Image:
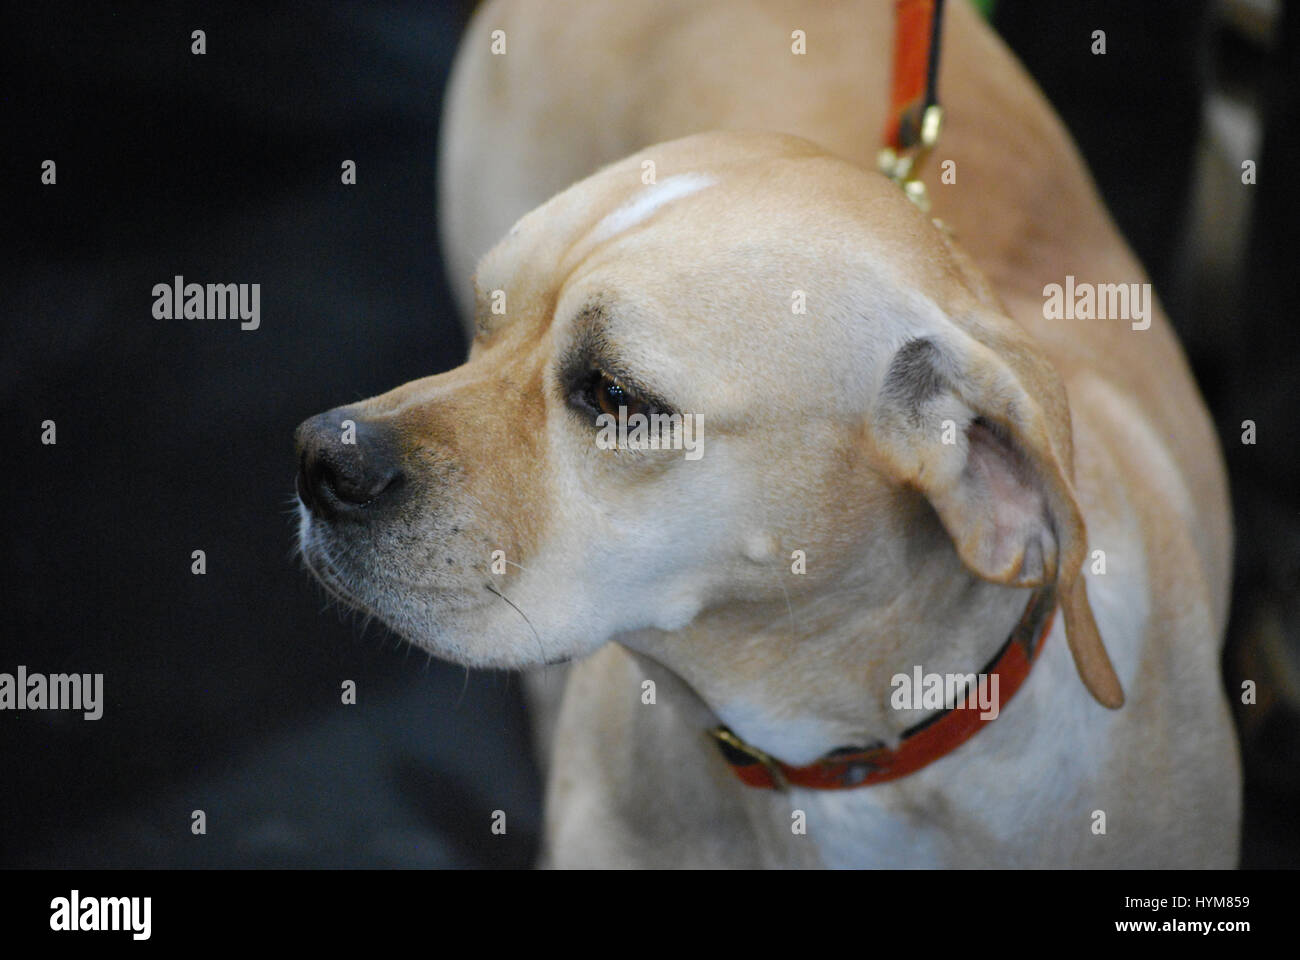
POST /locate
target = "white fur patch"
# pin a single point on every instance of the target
(647, 201)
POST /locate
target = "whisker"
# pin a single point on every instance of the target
(793, 625)
(464, 687)
(540, 648)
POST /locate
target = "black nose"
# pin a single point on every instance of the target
(346, 466)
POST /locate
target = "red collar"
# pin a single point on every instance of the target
(921, 744)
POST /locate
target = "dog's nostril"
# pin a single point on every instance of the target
(340, 477)
(356, 488)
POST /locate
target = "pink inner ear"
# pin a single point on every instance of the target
(1015, 530)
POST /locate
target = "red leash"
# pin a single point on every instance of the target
(915, 117)
(916, 70)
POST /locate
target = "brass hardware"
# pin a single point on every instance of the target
(904, 168)
(770, 763)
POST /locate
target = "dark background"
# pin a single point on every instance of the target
(223, 691)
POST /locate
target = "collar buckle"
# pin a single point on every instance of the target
(736, 749)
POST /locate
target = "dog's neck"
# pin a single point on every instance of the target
(801, 679)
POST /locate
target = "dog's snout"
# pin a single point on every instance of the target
(346, 465)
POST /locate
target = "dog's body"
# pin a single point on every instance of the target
(823, 432)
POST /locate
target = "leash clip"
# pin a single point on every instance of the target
(903, 166)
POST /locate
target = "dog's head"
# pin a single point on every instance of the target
(835, 370)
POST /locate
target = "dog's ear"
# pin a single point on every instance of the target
(955, 421)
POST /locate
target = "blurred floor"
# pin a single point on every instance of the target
(398, 780)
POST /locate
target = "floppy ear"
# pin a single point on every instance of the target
(955, 422)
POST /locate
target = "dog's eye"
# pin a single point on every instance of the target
(604, 394)
(610, 395)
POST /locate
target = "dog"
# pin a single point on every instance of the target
(918, 471)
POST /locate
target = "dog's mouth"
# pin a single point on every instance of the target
(420, 613)
(321, 563)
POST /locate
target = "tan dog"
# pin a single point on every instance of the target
(921, 436)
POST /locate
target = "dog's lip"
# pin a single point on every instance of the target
(320, 562)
